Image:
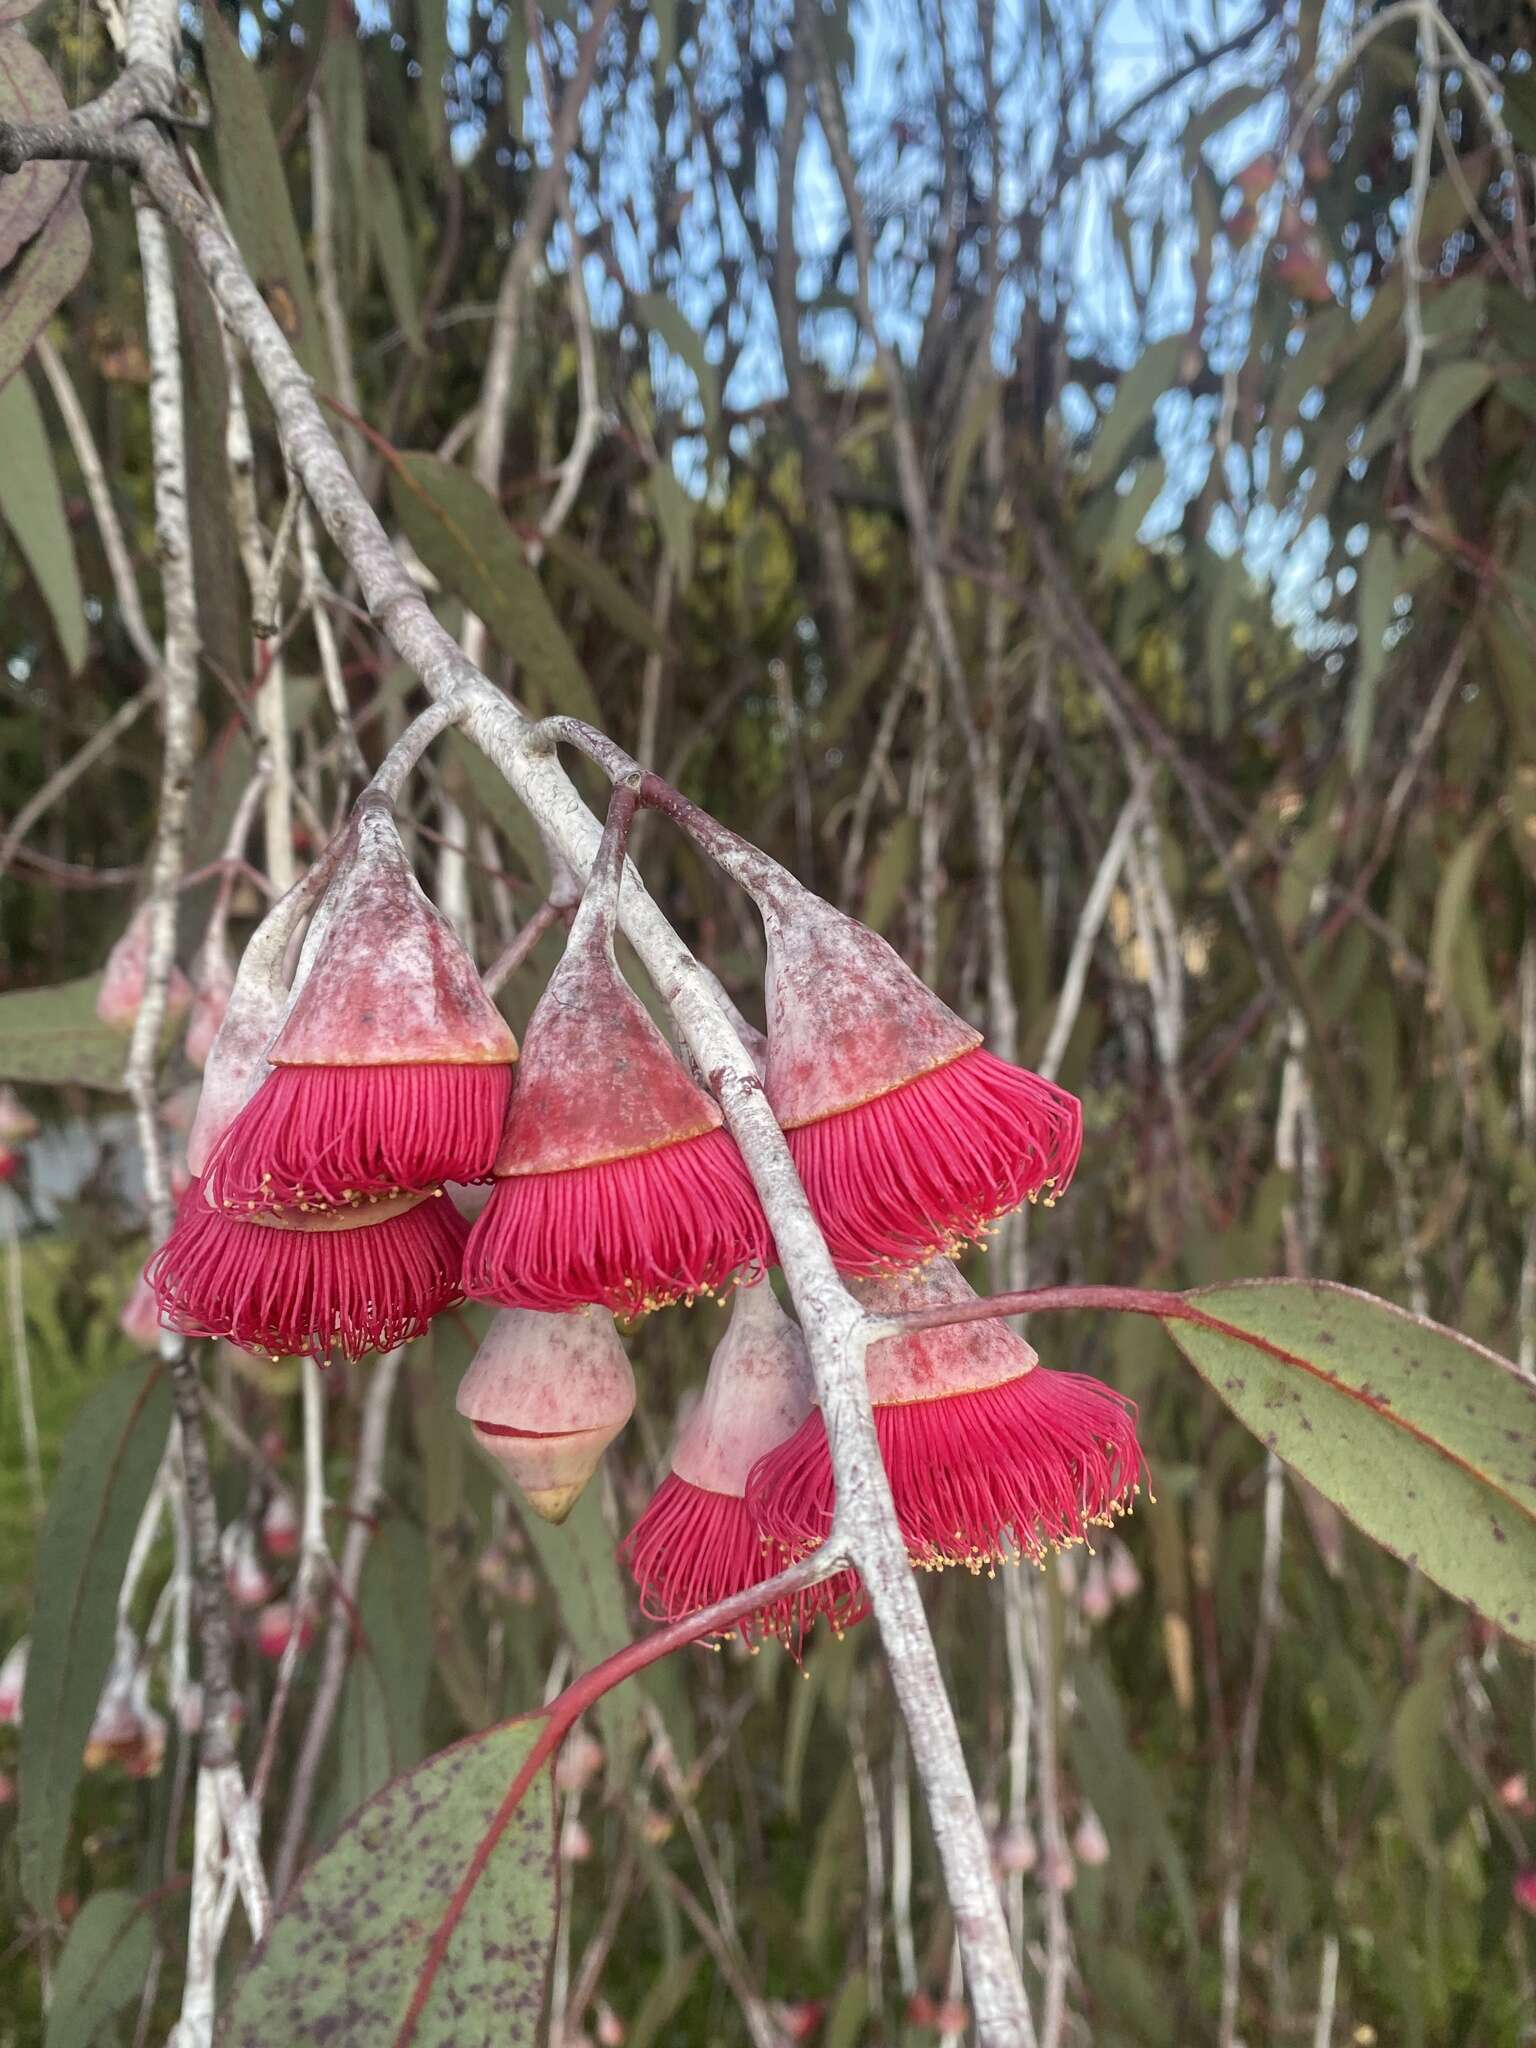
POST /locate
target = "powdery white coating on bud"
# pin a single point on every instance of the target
(847, 1018)
(122, 981)
(389, 984)
(598, 1081)
(958, 1359)
(758, 1392)
(1090, 1844)
(546, 1395)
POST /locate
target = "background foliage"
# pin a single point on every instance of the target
(1216, 540)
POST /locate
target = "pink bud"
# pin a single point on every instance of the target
(13, 1678)
(1058, 1873)
(1095, 1600)
(280, 1526)
(17, 1123)
(10, 1163)
(1525, 1890)
(248, 1582)
(611, 2030)
(799, 2019)
(1016, 1850)
(1124, 1578)
(579, 1762)
(575, 1842)
(953, 2016)
(523, 1586)
(122, 982)
(1515, 1793)
(1090, 1844)
(140, 1319)
(275, 1626)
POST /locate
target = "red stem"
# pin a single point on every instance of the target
(563, 1714)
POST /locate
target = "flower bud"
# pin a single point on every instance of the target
(545, 1396)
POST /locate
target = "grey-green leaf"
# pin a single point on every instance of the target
(255, 193)
(670, 325)
(578, 1559)
(1380, 581)
(457, 528)
(1424, 1439)
(674, 515)
(108, 1463)
(363, 1944)
(1438, 404)
(1153, 373)
(52, 1035)
(28, 92)
(392, 242)
(41, 278)
(101, 1968)
(32, 506)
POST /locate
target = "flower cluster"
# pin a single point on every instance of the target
(356, 1075)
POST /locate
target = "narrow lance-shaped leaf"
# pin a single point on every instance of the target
(32, 506)
(101, 1968)
(28, 92)
(41, 278)
(108, 1464)
(457, 528)
(255, 193)
(1424, 1439)
(430, 1919)
(671, 325)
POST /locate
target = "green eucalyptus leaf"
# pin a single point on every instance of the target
(101, 1969)
(106, 1468)
(457, 528)
(41, 278)
(32, 506)
(1420, 1436)
(366, 1950)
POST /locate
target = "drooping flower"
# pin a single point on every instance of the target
(909, 1136)
(354, 1280)
(545, 1396)
(392, 1067)
(122, 981)
(696, 1542)
(615, 1182)
(990, 1456)
(349, 1280)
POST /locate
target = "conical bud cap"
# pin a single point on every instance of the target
(848, 1020)
(122, 981)
(597, 1081)
(390, 984)
(960, 1358)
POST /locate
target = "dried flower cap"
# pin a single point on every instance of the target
(615, 1183)
(391, 1067)
(354, 1281)
(990, 1457)
(122, 981)
(696, 1543)
(545, 1396)
(909, 1136)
